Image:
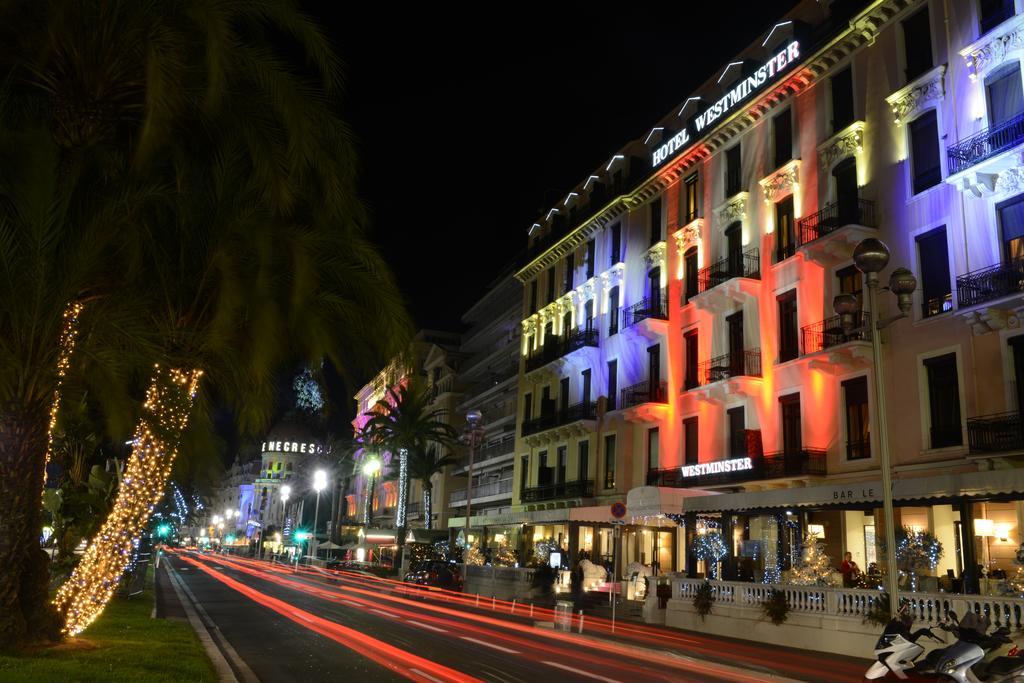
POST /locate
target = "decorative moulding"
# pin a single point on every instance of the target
(907, 102)
(782, 182)
(846, 142)
(994, 48)
(655, 256)
(734, 209)
(688, 234)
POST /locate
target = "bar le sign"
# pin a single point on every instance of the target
(743, 89)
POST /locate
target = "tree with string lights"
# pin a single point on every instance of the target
(152, 219)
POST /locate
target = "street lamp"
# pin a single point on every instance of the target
(370, 468)
(471, 436)
(319, 484)
(871, 256)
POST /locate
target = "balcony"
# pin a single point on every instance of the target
(643, 392)
(985, 145)
(740, 264)
(559, 347)
(829, 347)
(995, 433)
(645, 309)
(808, 462)
(726, 283)
(740, 364)
(565, 489)
(829, 235)
(584, 410)
(490, 489)
(990, 284)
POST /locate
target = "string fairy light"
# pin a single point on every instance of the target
(68, 335)
(165, 415)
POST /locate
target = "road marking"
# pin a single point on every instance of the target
(387, 614)
(426, 626)
(426, 675)
(492, 645)
(581, 673)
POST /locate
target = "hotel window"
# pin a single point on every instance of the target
(616, 245)
(524, 472)
(690, 441)
(789, 330)
(991, 13)
(936, 290)
(551, 284)
(1003, 93)
(844, 180)
(527, 407)
(842, 99)
(533, 296)
(917, 44)
(655, 221)
(737, 432)
(350, 506)
(924, 151)
(1011, 224)
(613, 383)
(613, 311)
(851, 282)
(586, 382)
(792, 438)
(733, 171)
(690, 199)
(570, 267)
(858, 433)
(588, 314)
(609, 461)
(690, 381)
(583, 460)
(944, 401)
(561, 457)
(653, 449)
(690, 272)
(785, 230)
(566, 323)
(543, 471)
(782, 134)
(591, 251)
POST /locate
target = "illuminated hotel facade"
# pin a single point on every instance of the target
(680, 349)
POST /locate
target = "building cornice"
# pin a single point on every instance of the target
(862, 30)
(993, 48)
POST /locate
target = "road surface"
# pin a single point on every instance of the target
(313, 625)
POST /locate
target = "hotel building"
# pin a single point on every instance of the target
(681, 352)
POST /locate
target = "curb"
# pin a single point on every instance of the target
(218, 652)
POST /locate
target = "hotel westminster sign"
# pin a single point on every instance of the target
(744, 89)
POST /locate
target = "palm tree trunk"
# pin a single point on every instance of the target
(428, 516)
(69, 332)
(25, 614)
(166, 411)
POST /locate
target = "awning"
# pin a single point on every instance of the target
(328, 546)
(905, 489)
(652, 501)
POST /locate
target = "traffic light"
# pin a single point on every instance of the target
(163, 530)
(301, 535)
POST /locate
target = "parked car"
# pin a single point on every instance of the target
(435, 573)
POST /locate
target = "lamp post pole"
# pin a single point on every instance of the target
(319, 484)
(871, 256)
(474, 428)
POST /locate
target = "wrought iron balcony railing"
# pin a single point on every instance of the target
(989, 284)
(584, 410)
(491, 488)
(738, 264)
(829, 332)
(985, 144)
(740, 364)
(646, 308)
(807, 461)
(995, 433)
(565, 489)
(834, 216)
(556, 347)
(644, 392)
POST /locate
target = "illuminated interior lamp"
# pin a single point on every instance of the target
(984, 527)
(816, 530)
(1002, 532)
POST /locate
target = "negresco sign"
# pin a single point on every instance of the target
(767, 72)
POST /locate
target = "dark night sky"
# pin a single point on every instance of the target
(470, 126)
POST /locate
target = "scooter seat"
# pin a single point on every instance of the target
(1000, 666)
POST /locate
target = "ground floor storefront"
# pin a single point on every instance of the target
(958, 532)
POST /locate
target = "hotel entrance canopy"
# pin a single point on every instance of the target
(906, 490)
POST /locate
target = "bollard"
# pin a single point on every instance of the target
(531, 610)
(477, 599)
(581, 621)
(513, 606)
(493, 602)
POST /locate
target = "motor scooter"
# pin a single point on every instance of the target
(980, 657)
(897, 650)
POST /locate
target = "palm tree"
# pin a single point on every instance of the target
(133, 93)
(423, 465)
(404, 424)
